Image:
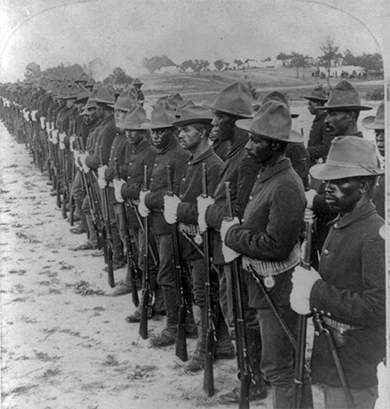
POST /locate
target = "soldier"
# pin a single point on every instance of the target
(319, 140)
(343, 108)
(169, 152)
(348, 294)
(267, 237)
(194, 125)
(377, 123)
(232, 103)
(137, 84)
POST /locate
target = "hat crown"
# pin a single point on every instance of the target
(273, 119)
(277, 96)
(343, 95)
(186, 103)
(318, 93)
(235, 99)
(175, 100)
(73, 91)
(137, 82)
(134, 118)
(126, 100)
(162, 115)
(105, 95)
(195, 113)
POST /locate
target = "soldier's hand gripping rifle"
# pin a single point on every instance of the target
(300, 352)
(146, 289)
(244, 369)
(132, 265)
(208, 376)
(181, 342)
(107, 228)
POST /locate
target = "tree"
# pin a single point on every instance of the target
(238, 63)
(219, 64)
(118, 79)
(298, 61)
(186, 64)
(330, 53)
(157, 62)
(33, 71)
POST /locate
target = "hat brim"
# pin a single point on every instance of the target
(102, 101)
(315, 98)
(294, 136)
(225, 111)
(327, 171)
(192, 121)
(345, 108)
(370, 123)
(119, 108)
(149, 125)
(132, 127)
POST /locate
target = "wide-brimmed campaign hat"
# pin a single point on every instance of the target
(281, 97)
(62, 92)
(91, 102)
(349, 156)
(162, 116)
(73, 92)
(135, 119)
(273, 121)
(193, 115)
(82, 78)
(105, 95)
(377, 121)
(235, 99)
(137, 82)
(318, 93)
(83, 95)
(91, 82)
(175, 100)
(126, 100)
(344, 97)
(186, 103)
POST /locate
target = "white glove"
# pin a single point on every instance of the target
(48, 129)
(303, 281)
(54, 137)
(102, 182)
(203, 204)
(34, 115)
(309, 215)
(310, 194)
(42, 120)
(170, 208)
(101, 171)
(76, 155)
(71, 142)
(62, 146)
(118, 183)
(82, 158)
(143, 210)
(225, 226)
(228, 254)
(62, 136)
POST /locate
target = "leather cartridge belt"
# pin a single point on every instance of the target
(266, 268)
(190, 229)
(339, 326)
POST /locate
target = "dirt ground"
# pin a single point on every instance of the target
(64, 341)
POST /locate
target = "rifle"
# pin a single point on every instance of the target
(109, 244)
(71, 198)
(181, 344)
(63, 173)
(132, 266)
(208, 376)
(146, 290)
(245, 372)
(300, 353)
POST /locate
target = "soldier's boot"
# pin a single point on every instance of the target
(82, 227)
(169, 333)
(197, 361)
(124, 288)
(136, 316)
(159, 302)
(92, 242)
(224, 348)
(282, 397)
(258, 388)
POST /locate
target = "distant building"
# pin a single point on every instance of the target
(343, 70)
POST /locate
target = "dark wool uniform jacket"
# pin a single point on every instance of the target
(174, 156)
(191, 188)
(271, 226)
(137, 156)
(241, 172)
(105, 136)
(352, 291)
(319, 140)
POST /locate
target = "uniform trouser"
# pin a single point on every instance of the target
(198, 276)
(77, 187)
(166, 269)
(362, 398)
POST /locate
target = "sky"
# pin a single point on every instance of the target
(123, 32)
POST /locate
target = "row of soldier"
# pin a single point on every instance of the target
(183, 196)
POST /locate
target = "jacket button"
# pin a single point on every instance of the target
(328, 314)
(250, 197)
(326, 251)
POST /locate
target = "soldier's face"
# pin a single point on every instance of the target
(223, 126)
(337, 122)
(342, 195)
(161, 137)
(259, 148)
(100, 112)
(190, 137)
(313, 107)
(119, 116)
(380, 140)
(134, 137)
(70, 103)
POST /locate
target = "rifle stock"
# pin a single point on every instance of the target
(146, 290)
(245, 372)
(208, 376)
(181, 343)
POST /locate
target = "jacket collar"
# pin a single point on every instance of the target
(268, 173)
(135, 149)
(206, 154)
(358, 214)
